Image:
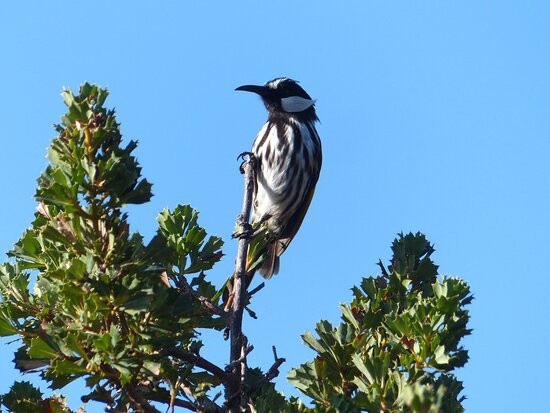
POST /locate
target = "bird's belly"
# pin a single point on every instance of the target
(283, 177)
(274, 202)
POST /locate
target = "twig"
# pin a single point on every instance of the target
(245, 351)
(178, 402)
(255, 290)
(271, 373)
(139, 403)
(182, 283)
(243, 395)
(251, 313)
(199, 362)
(274, 369)
(209, 405)
(185, 404)
(239, 288)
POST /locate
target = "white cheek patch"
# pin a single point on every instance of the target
(296, 104)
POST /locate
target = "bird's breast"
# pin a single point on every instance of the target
(288, 155)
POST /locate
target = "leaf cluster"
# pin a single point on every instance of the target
(104, 305)
(23, 397)
(398, 342)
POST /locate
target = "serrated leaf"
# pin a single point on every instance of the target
(153, 366)
(312, 342)
(22, 397)
(6, 328)
(125, 373)
(103, 343)
(39, 349)
(368, 372)
(440, 355)
(115, 335)
(137, 304)
(348, 316)
(66, 367)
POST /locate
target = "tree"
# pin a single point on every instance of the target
(124, 314)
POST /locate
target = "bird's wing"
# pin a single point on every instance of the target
(295, 222)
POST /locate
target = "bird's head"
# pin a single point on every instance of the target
(284, 96)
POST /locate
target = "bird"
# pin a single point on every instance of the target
(288, 156)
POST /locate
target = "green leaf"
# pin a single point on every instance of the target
(320, 367)
(367, 371)
(115, 335)
(440, 355)
(312, 342)
(22, 397)
(125, 367)
(344, 334)
(138, 303)
(103, 343)
(140, 194)
(348, 316)
(152, 366)
(6, 328)
(39, 349)
(66, 367)
(125, 373)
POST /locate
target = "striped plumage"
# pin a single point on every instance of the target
(288, 151)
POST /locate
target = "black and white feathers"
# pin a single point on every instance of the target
(288, 151)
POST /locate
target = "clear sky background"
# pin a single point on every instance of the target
(435, 117)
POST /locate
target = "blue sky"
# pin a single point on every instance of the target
(435, 117)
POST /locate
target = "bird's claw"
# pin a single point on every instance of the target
(246, 231)
(243, 156)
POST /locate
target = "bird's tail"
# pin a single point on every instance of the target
(270, 266)
(263, 255)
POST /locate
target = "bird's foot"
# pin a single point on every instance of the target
(245, 231)
(251, 159)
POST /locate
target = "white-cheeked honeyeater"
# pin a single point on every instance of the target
(288, 161)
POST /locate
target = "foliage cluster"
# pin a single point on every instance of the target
(398, 342)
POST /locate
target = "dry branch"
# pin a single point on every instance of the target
(234, 390)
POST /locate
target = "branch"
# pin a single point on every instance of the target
(198, 361)
(251, 313)
(239, 290)
(207, 404)
(139, 402)
(245, 351)
(255, 290)
(274, 369)
(185, 404)
(271, 373)
(250, 294)
(210, 307)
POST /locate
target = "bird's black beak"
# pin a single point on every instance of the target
(260, 90)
